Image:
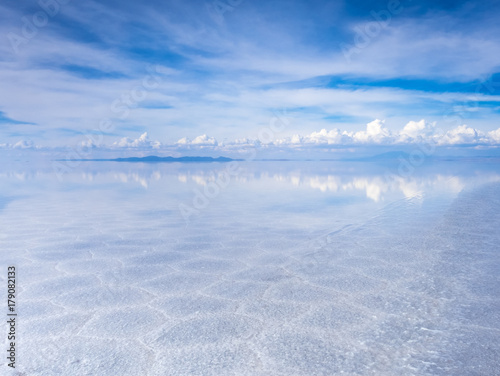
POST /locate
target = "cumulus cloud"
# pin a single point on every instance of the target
(202, 140)
(23, 144)
(417, 131)
(375, 133)
(494, 135)
(89, 144)
(413, 132)
(184, 141)
(463, 135)
(333, 136)
(141, 142)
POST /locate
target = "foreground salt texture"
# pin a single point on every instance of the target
(112, 285)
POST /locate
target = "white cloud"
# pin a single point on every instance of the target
(89, 143)
(202, 140)
(462, 135)
(413, 132)
(23, 144)
(296, 139)
(375, 132)
(322, 137)
(141, 142)
(494, 136)
(247, 70)
(184, 141)
(416, 131)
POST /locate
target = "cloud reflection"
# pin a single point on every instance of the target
(362, 180)
(374, 187)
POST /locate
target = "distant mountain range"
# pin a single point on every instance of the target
(383, 157)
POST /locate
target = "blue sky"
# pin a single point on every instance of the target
(212, 72)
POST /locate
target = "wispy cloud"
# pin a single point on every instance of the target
(224, 79)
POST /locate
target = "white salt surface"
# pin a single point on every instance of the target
(285, 272)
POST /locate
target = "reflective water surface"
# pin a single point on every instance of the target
(254, 268)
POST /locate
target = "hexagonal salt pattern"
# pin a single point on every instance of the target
(111, 281)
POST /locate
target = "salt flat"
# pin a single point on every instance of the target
(287, 271)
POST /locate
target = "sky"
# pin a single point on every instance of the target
(222, 74)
